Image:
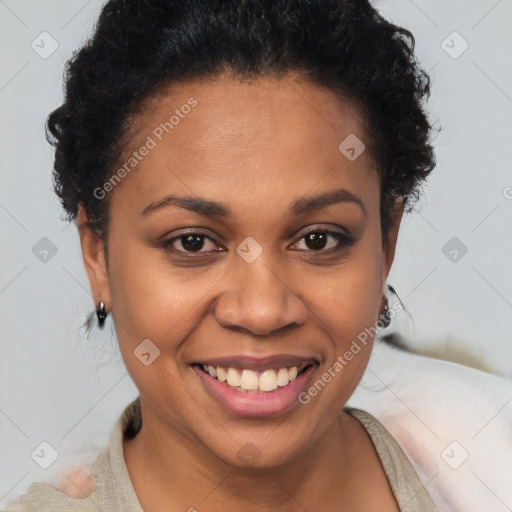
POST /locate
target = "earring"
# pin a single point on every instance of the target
(102, 314)
(383, 315)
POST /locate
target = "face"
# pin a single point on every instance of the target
(253, 274)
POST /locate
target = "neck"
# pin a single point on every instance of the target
(168, 467)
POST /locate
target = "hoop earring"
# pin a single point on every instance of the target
(101, 313)
(383, 315)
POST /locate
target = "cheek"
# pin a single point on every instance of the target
(156, 300)
(350, 296)
(348, 312)
(152, 299)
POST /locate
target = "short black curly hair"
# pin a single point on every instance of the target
(142, 47)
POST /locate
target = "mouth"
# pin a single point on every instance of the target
(256, 388)
(245, 380)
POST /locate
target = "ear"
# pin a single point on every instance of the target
(388, 254)
(94, 260)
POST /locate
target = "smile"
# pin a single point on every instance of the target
(253, 381)
(256, 388)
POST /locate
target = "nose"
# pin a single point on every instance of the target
(259, 299)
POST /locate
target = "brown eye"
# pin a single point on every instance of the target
(190, 243)
(316, 240)
(319, 241)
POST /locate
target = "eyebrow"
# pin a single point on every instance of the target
(214, 209)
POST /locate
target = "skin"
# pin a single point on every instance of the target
(256, 147)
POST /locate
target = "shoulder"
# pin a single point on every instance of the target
(106, 486)
(450, 421)
(407, 488)
(42, 497)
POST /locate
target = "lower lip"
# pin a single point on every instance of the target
(265, 403)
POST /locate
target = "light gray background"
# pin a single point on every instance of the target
(59, 387)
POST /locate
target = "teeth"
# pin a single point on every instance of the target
(268, 380)
(251, 381)
(233, 377)
(283, 377)
(222, 374)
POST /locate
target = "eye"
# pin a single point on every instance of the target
(190, 242)
(315, 241)
(318, 240)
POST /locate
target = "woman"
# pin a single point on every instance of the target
(238, 171)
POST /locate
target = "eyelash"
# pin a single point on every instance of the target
(344, 241)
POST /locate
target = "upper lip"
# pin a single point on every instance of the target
(260, 363)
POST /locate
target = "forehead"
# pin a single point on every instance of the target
(235, 140)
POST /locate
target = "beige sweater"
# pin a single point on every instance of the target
(113, 491)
